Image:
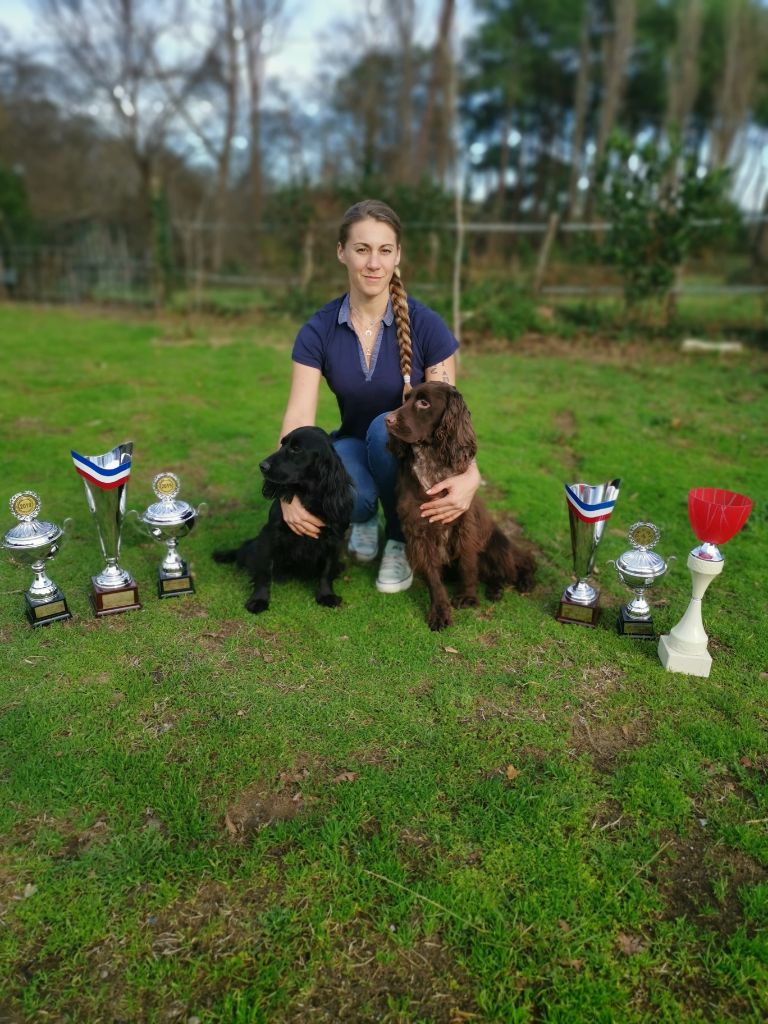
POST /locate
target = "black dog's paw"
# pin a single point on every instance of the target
(328, 600)
(256, 605)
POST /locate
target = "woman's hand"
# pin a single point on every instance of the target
(454, 496)
(296, 518)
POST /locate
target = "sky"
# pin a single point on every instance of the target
(310, 24)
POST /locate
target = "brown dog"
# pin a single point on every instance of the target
(432, 437)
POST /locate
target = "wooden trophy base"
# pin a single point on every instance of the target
(578, 614)
(638, 629)
(175, 586)
(40, 613)
(110, 601)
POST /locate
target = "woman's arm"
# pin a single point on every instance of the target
(455, 494)
(301, 411)
(445, 371)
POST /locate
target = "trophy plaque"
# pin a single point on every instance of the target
(166, 521)
(716, 516)
(30, 543)
(106, 480)
(589, 508)
(638, 569)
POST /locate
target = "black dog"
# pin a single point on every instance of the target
(306, 465)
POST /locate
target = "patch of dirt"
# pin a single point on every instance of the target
(370, 974)
(258, 807)
(699, 880)
(605, 741)
(565, 431)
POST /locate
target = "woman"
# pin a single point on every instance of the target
(371, 344)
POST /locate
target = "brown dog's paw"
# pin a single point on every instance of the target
(465, 601)
(439, 618)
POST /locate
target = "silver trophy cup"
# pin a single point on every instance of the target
(590, 506)
(638, 569)
(167, 521)
(30, 543)
(106, 479)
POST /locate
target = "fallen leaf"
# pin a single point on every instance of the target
(345, 777)
(512, 772)
(676, 423)
(629, 945)
(450, 650)
(563, 926)
(29, 890)
(240, 713)
(575, 965)
(746, 762)
(289, 777)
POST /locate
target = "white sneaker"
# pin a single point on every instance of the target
(394, 573)
(364, 540)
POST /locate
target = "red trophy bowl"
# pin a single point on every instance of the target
(716, 516)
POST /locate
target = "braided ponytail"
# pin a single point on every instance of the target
(377, 210)
(402, 327)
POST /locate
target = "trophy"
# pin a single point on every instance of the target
(166, 521)
(106, 479)
(30, 543)
(589, 508)
(637, 569)
(715, 516)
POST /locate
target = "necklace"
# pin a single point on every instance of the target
(367, 331)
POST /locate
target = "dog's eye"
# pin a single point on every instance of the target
(422, 403)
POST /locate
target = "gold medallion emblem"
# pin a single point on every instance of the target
(166, 485)
(25, 505)
(644, 535)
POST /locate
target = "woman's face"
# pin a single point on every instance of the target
(370, 255)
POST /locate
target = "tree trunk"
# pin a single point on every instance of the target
(403, 12)
(744, 28)
(619, 51)
(683, 79)
(580, 100)
(437, 84)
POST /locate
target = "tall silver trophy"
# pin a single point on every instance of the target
(106, 480)
(30, 543)
(590, 506)
(167, 521)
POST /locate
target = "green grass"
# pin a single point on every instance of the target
(308, 815)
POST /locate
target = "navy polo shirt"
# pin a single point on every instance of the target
(328, 342)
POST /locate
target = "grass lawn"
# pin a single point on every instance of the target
(321, 815)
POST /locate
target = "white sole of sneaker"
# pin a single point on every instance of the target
(394, 588)
(363, 559)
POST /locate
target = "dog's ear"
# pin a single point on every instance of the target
(398, 448)
(454, 435)
(336, 490)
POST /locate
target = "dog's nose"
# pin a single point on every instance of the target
(390, 420)
(264, 466)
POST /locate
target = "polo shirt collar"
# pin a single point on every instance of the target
(345, 312)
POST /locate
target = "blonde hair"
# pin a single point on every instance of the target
(376, 210)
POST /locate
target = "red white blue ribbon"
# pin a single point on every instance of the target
(104, 478)
(589, 513)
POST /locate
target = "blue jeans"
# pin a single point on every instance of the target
(373, 469)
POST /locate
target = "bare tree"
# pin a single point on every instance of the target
(403, 14)
(110, 52)
(580, 101)
(745, 39)
(259, 21)
(683, 77)
(435, 125)
(618, 43)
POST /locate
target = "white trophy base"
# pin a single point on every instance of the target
(675, 661)
(684, 648)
